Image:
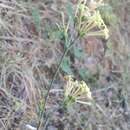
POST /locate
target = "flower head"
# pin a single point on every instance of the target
(77, 91)
(90, 22)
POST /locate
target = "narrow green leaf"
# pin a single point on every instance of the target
(83, 73)
(66, 65)
(36, 18)
(78, 53)
(70, 12)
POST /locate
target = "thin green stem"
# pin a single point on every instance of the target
(53, 79)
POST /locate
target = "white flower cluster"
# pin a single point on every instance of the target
(78, 91)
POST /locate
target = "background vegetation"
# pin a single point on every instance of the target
(64, 65)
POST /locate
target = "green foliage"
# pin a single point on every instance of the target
(83, 73)
(87, 76)
(66, 65)
(109, 44)
(52, 33)
(18, 105)
(36, 18)
(86, 23)
(68, 101)
(70, 12)
(115, 3)
(40, 108)
(108, 15)
(64, 29)
(78, 53)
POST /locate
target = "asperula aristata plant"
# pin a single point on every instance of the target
(76, 92)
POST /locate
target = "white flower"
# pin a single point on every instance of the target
(77, 91)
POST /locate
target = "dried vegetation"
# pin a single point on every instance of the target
(33, 36)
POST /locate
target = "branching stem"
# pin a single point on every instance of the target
(53, 79)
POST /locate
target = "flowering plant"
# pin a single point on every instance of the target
(76, 92)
